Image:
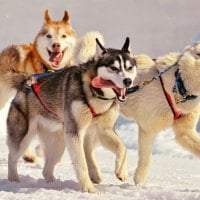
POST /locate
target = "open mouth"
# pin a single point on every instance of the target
(98, 82)
(55, 57)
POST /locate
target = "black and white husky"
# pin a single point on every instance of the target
(68, 104)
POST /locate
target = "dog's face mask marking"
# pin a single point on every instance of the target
(116, 70)
(55, 41)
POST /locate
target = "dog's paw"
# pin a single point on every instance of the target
(90, 189)
(13, 178)
(122, 176)
(29, 158)
(139, 180)
(95, 176)
(49, 178)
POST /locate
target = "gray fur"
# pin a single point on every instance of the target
(67, 93)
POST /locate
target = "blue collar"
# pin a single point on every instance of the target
(180, 88)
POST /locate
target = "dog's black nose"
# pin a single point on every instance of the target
(56, 45)
(127, 82)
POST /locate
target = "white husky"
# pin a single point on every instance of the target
(153, 112)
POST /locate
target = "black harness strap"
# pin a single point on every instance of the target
(94, 94)
(144, 83)
(179, 87)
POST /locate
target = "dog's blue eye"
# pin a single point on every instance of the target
(49, 36)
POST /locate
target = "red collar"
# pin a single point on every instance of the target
(176, 113)
(94, 114)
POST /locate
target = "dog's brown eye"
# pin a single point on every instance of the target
(64, 36)
(130, 68)
(114, 68)
(49, 36)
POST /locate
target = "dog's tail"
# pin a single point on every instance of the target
(86, 47)
(9, 59)
(16, 79)
(167, 60)
(9, 74)
(144, 61)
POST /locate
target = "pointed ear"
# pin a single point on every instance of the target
(100, 50)
(65, 17)
(46, 16)
(127, 47)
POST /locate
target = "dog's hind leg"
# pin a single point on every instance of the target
(53, 146)
(186, 134)
(145, 140)
(76, 150)
(19, 137)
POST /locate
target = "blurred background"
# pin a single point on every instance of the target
(154, 26)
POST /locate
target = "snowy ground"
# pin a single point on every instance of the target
(174, 173)
(155, 27)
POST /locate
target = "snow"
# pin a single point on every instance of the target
(174, 173)
(155, 27)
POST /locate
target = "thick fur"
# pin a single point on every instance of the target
(86, 47)
(31, 58)
(67, 92)
(150, 109)
(36, 58)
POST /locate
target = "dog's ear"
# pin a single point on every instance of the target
(100, 49)
(127, 47)
(65, 17)
(46, 16)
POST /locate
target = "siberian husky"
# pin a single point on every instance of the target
(68, 104)
(170, 99)
(52, 50)
(173, 100)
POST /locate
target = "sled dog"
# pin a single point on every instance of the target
(68, 104)
(51, 50)
(154, 112)
(150, 108)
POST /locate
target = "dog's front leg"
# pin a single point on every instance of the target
(145, 140)
(111, 141)
(75, 147)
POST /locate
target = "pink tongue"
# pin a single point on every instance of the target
(55, 56)
(98, 82)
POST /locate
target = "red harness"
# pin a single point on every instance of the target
(176, 113)
(36, 88)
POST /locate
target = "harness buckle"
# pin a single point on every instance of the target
(30, 81)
